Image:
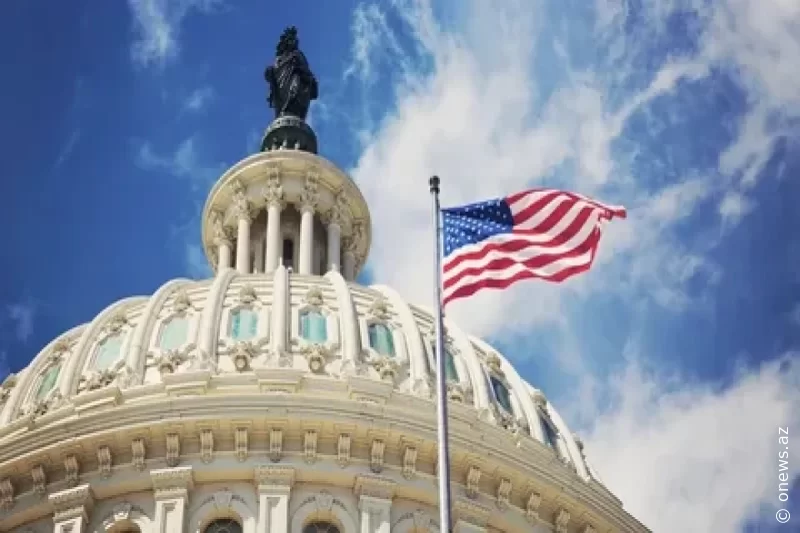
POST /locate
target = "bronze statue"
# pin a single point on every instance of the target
(292, 85)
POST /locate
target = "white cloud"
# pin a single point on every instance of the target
(21, 316)
(199, 99)
(691, 457)
(479, 115)
(157, 25)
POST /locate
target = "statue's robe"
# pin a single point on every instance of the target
(292, 85)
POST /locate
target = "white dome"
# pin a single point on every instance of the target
(143, 362)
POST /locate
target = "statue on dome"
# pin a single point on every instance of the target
(292, 85)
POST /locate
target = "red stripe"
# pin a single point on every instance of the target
(490, 283)
(502, 263)
(517, 245)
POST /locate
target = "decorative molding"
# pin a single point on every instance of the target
(71, 503)
(104, 461)
(6, 494)
(206, 445)
(503, 493)
(314, 297)
(376, 456)
(561, 520)
(5, 389)
(310, 446)
(240, 205)
(471, 512)
(173, 455)
(379, 309)
(309, 197)
(223, 499)
(588, 528)
(240, 443)
(539, 399)
(138, 451)
(275, 445)
(39, 478)
(375, 487)
(72, 468)
(274, 475)
(410, 462)
(532, 507)
(343, 450)
(172, 482)
(473, 481)
(247, 295)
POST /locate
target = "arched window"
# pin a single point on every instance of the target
(244, 324)
(313, 326)
(107, 352)
(223, 525)
(501, 394)
(48, 381)
(288, 253)
(450, 372)
(321, 526)
(381, 339)
(173, 333)
(550, 435)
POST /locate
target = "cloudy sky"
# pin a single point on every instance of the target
(676, 357)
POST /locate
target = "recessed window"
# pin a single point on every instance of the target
(450, 372)
(549, 434)
(321, 527)
(173, 333)
(244, 324)
(381, 339)
(48, 381)
(224, 525)
(107, 353)
(501, 394)
(313, 326)
(288, 253)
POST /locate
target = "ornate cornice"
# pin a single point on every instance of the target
(274, 475)
(172, 482)
(375, 487)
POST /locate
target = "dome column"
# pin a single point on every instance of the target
(349, 259)
(309, 200)
(223, 242)
(273, 196)
(335, 220)
(241, 208)
(171, 488)
(72, 507)
(274, 489)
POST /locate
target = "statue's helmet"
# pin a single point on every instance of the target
(288, 41)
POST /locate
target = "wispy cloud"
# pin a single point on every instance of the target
(21, 316)
(157, 26)
(492, 109)
(199, 99)
(67, 148)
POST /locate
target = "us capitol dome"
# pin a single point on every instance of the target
(280, 395)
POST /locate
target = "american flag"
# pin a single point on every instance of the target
(539, 233)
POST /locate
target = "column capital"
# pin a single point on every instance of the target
(172, 482)
(241, 207)
(273, 476)
(339, 213)
(309, 196)
(376, 487)
(71, 503)
(273, 191)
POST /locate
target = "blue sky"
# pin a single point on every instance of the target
(676, 356)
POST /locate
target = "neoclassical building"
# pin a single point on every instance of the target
(280, 396)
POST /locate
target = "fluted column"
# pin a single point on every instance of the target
(375, 503)
(171, 488)
(71, 509)
(243, 214)
(336, 218)
(222, 241)
(349, 259)
(273, 196)
(308, 204)
(274, 488)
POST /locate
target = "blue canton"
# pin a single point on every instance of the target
(474, 223)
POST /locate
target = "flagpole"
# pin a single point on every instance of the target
(441, 378)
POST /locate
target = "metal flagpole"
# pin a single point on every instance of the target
(441, 378)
